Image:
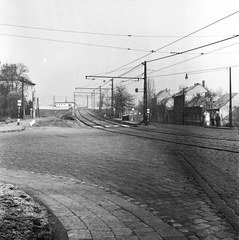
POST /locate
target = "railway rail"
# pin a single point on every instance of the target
(218, 183)
(202, 140)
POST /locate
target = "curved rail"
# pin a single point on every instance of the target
(193, 140)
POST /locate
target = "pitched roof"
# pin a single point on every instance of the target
(187, 89)
(219, 103)
(196, 101)
(165, 91)
(224, 99)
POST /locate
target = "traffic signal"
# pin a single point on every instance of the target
(136, 90)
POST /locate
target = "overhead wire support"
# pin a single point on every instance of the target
(193, 49)
(188, 35)
(192, 58)
(95, 76)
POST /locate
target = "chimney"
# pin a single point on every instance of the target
(203, 83)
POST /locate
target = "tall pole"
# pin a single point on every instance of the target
(145, 93)
(112, 98)
(183, 106)
(100, 99)
(74, 103)
(38, 110)
(23, 110)
(87, 102)
(94, 98)
(230, 98)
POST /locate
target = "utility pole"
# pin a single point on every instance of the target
(112, 98)
(94, 98)
(230, 98)
(38, 110)
(183, 113)
(74, 103)
(145, 94)
(100, 99)
(23, 110)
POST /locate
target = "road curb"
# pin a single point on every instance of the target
(88, 211)
(13, 130)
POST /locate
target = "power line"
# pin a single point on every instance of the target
(196, 71)
(96, 33)
(78, 43)
(200, 29)
(192, 49)
(202, 54)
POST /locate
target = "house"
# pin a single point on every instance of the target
(188, 105)
(222, 104)
(162, 95)
(161, 103)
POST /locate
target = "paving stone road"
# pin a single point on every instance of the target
(188, 188)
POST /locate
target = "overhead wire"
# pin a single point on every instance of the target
(186, 51)
(196, 71)
(200, 29)
(95, 33)
(72, 42)
(202, 54)
(192, 49)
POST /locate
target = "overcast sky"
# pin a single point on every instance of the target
(62, 41)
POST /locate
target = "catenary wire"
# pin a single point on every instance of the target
(200, 29)
(96, 33)
(71, 42)
(192, 49)
(193, 58)
(196, 71)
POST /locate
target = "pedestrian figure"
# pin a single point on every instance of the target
(212, 119)
(217, 120)
(207, 119)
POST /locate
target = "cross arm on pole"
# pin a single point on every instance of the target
(92, 76)
(89, 88)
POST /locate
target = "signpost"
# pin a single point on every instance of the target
(19, 103)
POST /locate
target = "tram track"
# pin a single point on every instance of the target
(199, 141)
(218, 192)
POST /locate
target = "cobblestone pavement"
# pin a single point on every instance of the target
(188, 188)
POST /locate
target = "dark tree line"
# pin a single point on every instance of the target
(14, 82)
(122, 100)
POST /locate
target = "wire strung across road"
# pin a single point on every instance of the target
(200, 29)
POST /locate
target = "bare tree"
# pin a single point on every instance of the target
(122, 99)
(11, 78)
(151, 88)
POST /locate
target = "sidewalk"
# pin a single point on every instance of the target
(88, 211)
(13, 127)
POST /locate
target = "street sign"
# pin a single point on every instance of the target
(19, 103)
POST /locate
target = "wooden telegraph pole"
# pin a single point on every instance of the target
(112, 98)
(145, 118)
(230, 98)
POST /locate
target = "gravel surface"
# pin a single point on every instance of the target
(21, 217)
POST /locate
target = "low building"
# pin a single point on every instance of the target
(188, 109)
(64, 105)
(161, 103)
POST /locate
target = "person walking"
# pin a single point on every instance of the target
(217, 120)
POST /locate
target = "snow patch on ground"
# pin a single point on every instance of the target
(21, 217)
